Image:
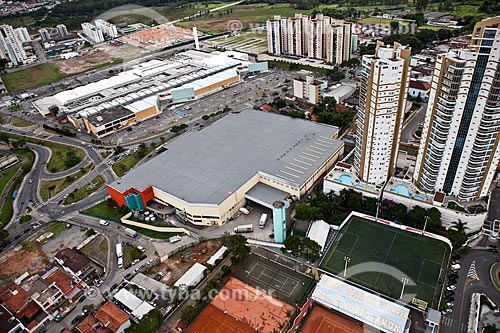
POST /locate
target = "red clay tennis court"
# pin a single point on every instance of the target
(212, 320)
(322, 320)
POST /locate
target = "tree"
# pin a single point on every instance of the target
(71, 159)
(188, 313)
(119, 150)
(400, 212)
(457, 238)
(304, 212)
(237, 244)
(335, 74)
(444, 34)
(3, 233)
(4, 138)
(394, 25)
(434, 217)
(416, 217)
(310, 249)
(459, 226)
(293, 244)
(491, 328)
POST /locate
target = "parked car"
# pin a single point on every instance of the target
(81, 299)
(75, 320)
(452, 287)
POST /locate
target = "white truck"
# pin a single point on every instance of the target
(174, 239)
(262, 221)
(241, 229)
(244, 210)
(119, 254)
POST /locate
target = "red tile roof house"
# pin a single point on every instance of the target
(75, 264)
(419, 88)
(91, 325)
(111, 317)
(19, 302)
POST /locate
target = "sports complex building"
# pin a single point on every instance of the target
(130, 96)
(208, 175)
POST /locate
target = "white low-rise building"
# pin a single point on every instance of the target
(192, 277)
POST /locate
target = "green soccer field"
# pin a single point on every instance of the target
(381, 255)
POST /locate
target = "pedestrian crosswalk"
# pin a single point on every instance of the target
(450, 325)
(472, 274)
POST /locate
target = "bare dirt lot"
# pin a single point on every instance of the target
(16, 263)
(83, 63)
(122, 51)
(97, 249)
(177, 265)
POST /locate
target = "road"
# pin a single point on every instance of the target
(457, 321)
(28, 193)
(411, 126)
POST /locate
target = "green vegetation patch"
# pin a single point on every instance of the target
(18, 122)
(7, 175)
(495, 274)
(32, 77)
(149, 323)
(85, 191)
(63, 156)
(249, 13)
(25, 218)
(152, 233)
(107, 210)
(49, 188)
(389, 254)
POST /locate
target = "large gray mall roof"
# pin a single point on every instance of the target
(206, 166)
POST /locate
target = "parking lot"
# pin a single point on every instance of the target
(252, 91)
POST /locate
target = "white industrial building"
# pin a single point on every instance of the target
(145, 90)
(217, 255)
(135, 306)
(318, 232)
(383, 94)
(192, 277)
(109, 29)
(92, 32)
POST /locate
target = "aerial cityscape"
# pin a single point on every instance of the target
(249, 166)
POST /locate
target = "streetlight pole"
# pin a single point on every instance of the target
(376, 214)
(425, 224)
(405, 280)
(346, 259)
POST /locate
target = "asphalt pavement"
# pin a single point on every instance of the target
(457, 321)
(407, 135)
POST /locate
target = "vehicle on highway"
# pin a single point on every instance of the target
(30, 181)
(103, 222)
(35, 225)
